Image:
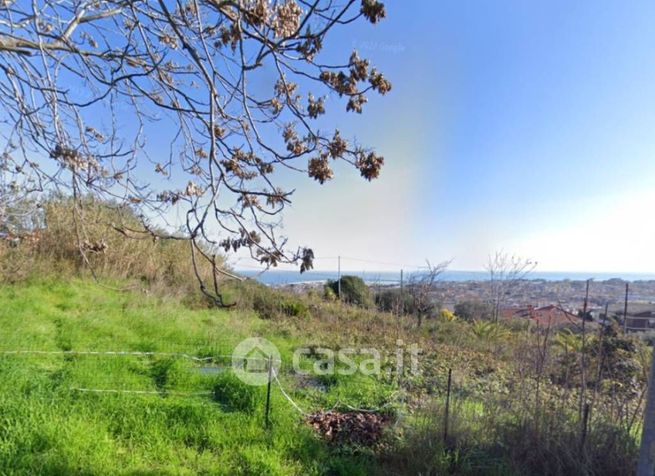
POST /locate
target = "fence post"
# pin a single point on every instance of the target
(585, 426)
(646, 466)
(625, 309)
(446, 416)
(268, 391)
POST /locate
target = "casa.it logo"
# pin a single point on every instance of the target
(252, 358)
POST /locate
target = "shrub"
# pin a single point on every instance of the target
(273, 304)
(295, 309)
(267, 302)
(485, 438)
(447, 315)
(15, 265)
(473, 310)
(486, 330)
(329, 294)
(353, 290)
(390, 300)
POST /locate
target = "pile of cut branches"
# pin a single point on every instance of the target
(364, 428)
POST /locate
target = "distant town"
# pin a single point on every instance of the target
(546, 301)
(568, 294)
(540, 297)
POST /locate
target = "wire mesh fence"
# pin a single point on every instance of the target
(204, 376)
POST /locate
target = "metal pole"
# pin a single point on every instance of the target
(586, 302)
(400, 305)
(625, 309)
(339, 277)
(646, 465)
(601, 335)
(583, 360)
(268, 391)
(402, 295)
(445, 424)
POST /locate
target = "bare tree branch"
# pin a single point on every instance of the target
(505, 272)
(89, 90)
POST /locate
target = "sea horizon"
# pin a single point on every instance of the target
(278, 277)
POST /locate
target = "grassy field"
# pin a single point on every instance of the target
(64, 410)
(49, 426)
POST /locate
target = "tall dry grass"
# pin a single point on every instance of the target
(94, 238)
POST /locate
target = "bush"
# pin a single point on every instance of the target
(390, 300)
(267, 305)
(295, 309)
(487, 330)
(267, 302)
(473, 310)
(447, 315)
(353, 290)
(273, 305)
(276, 306)
(329, 294)
(15, 265)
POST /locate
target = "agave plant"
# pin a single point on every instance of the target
(487, 330)
(568, 341)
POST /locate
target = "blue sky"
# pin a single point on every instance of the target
(523, 126)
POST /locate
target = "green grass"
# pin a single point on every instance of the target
(170, 418)
(49, 427)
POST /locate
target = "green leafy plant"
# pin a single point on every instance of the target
(487, 330)
(353, 290)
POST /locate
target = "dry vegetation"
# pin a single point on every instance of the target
(110, 244)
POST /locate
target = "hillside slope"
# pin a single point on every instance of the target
(98, 381)
(54, 419)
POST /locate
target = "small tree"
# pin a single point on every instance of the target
(421, 290)
(505, 272)
(353, 290)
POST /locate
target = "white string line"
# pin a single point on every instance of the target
(295, 405)
(139, 392)
(189, 394)
(362, 410)
(169, 354)
(124, 353)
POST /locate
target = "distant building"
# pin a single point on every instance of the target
(543, 316)
(640, 321)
